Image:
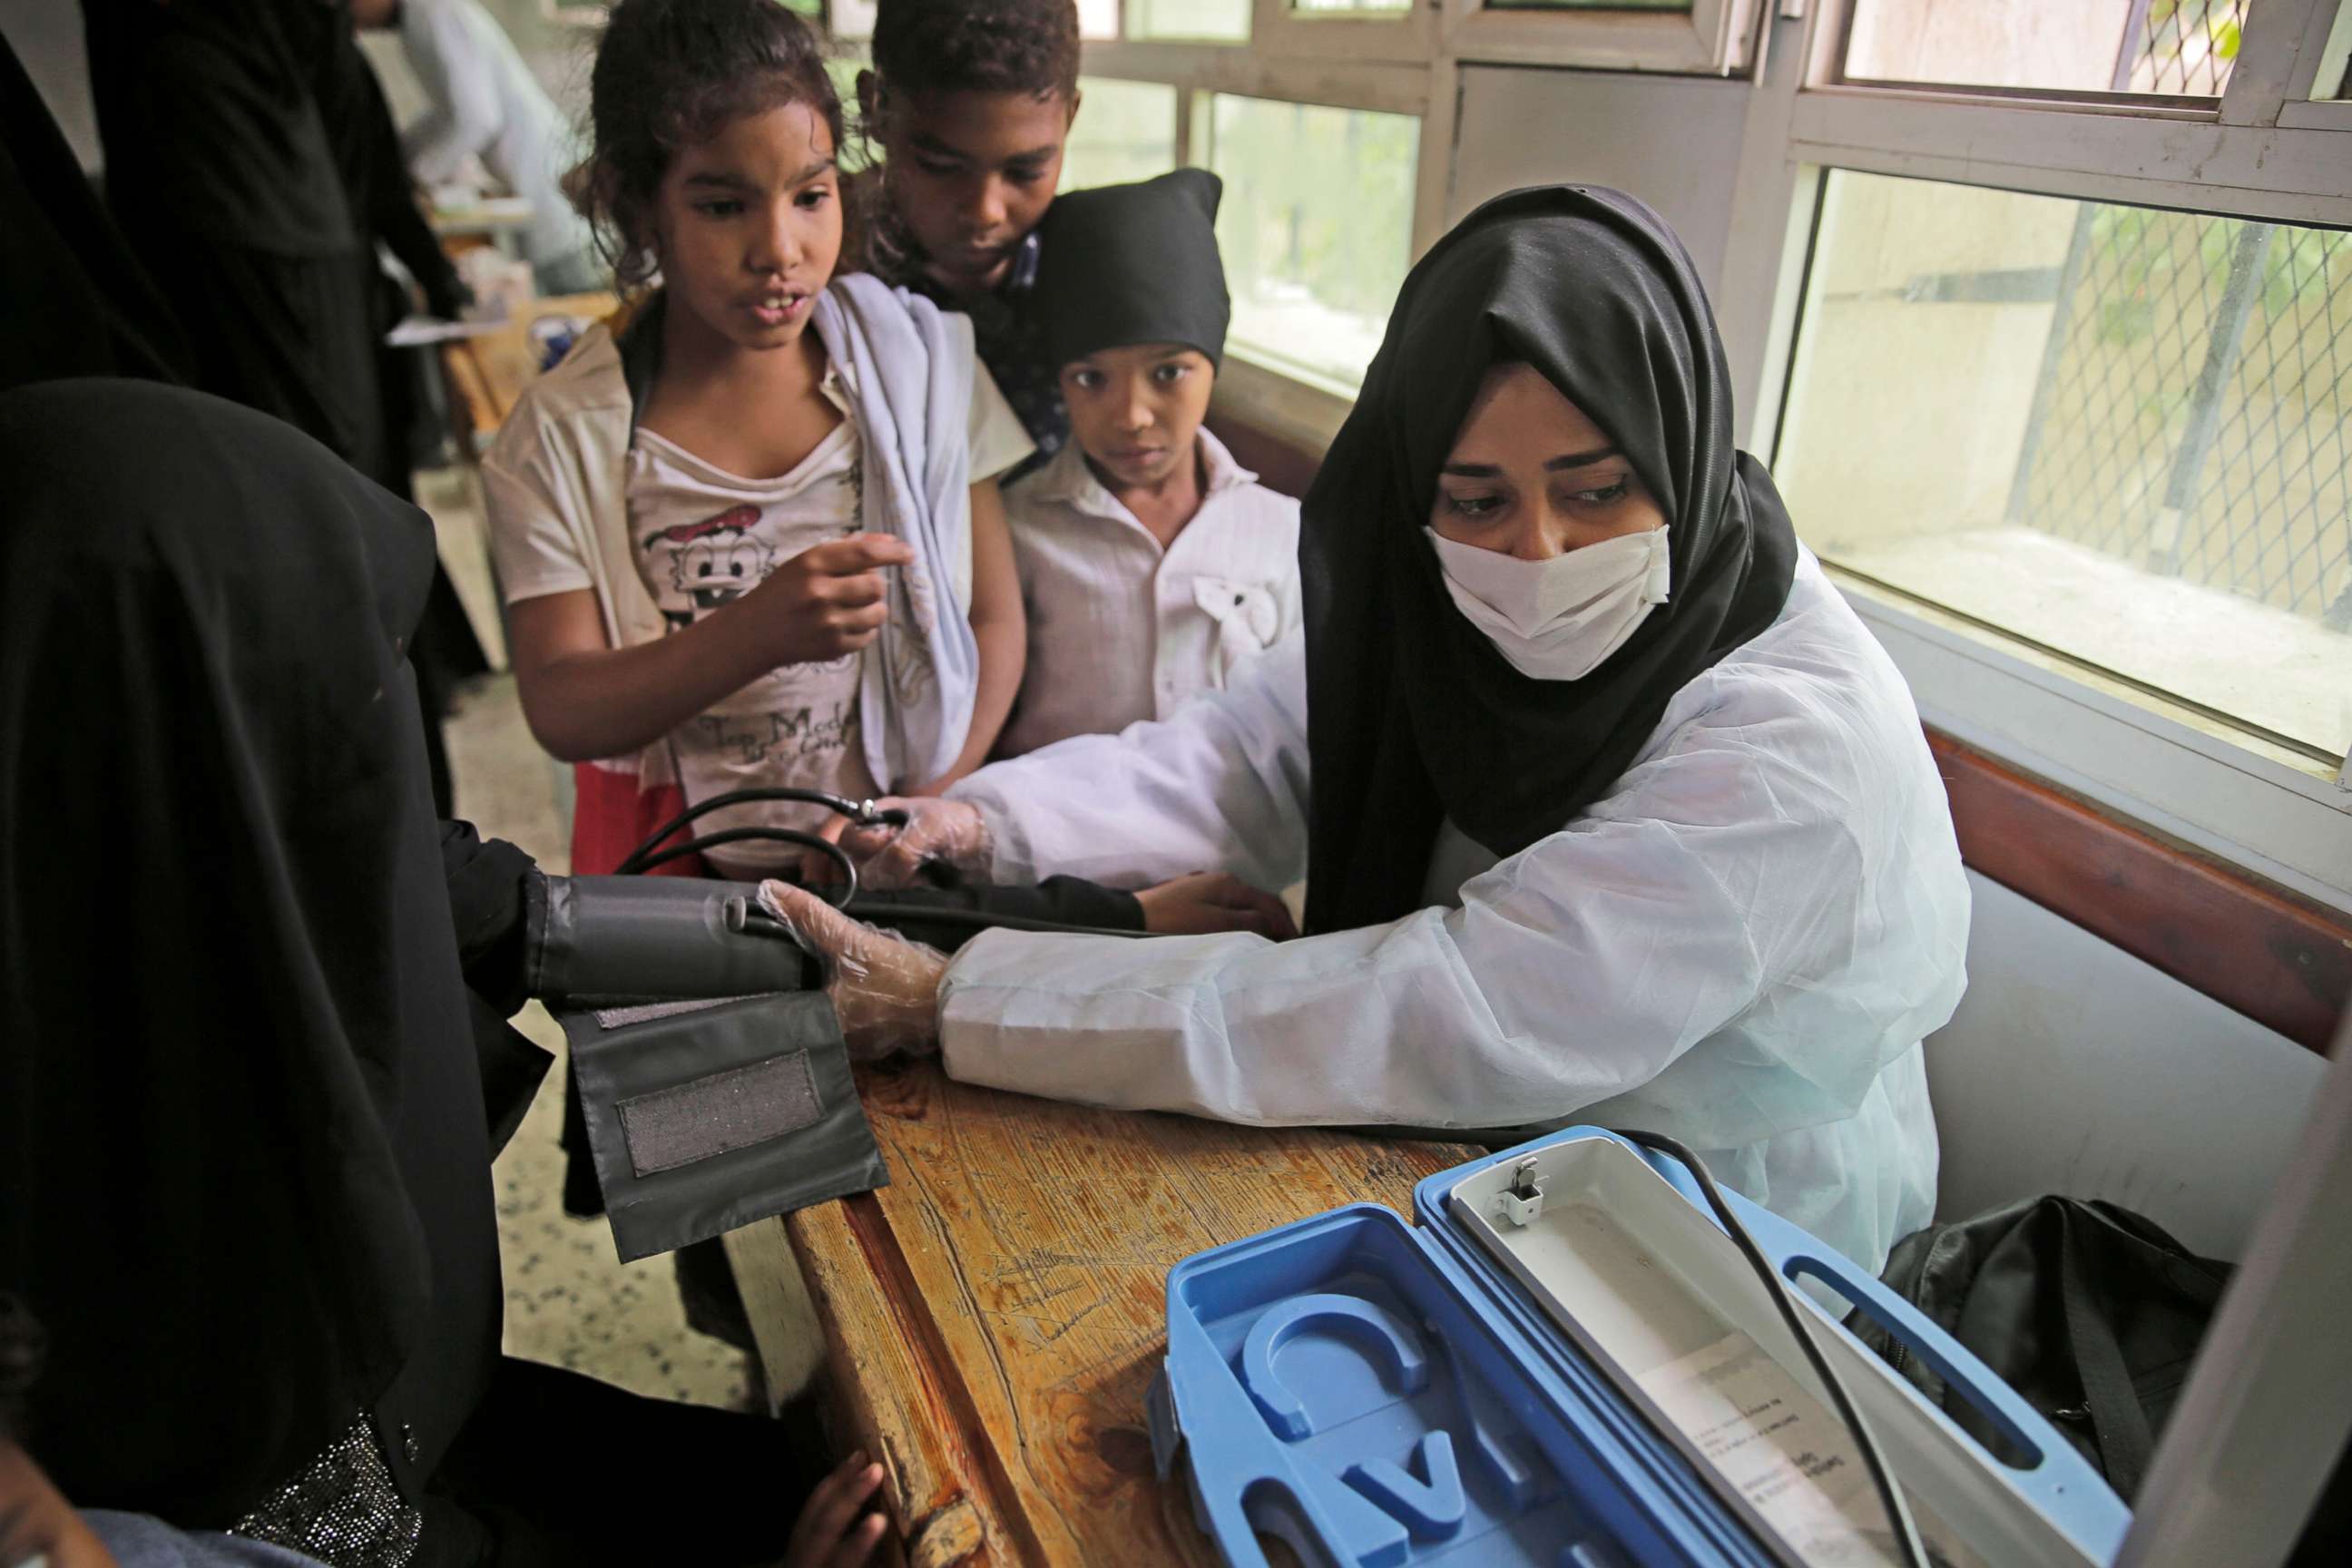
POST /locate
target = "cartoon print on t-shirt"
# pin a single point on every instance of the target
(752, 740)
(713, 562)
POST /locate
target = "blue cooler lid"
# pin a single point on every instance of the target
(1338, 1382)
(1381, 1395)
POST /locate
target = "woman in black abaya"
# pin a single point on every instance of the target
(253, 166)
(253, 1057)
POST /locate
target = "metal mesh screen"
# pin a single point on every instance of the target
(2183, 46)
(2194, 412)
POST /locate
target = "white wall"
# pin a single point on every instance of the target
(1671, 140)
(2073, 1068)
(46, 35)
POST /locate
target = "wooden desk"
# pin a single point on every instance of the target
(993, 1317)
(486, 375)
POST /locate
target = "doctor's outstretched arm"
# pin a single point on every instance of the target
(1719, 883)
(1219, 786)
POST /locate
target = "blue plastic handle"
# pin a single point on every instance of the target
(2060, 1483)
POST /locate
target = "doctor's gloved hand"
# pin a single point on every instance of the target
(1209, 901)
(886, 990)
(939, 833)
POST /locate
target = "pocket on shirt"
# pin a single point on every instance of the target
(1248, 618)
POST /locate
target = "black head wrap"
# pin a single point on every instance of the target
(1133, 264)
(1412, 714)
(244, 1166)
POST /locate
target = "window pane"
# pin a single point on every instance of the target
(1316, 228)
(1098, 18)
(1683, 5)
(2123, 434)
(2332, 79)
(2181, 47)
(852, 18)
(1211, 21)
(1124, 131)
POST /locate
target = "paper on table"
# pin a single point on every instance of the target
(1789, 1455)
(417, 330)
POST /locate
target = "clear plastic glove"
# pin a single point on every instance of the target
(1210, 902)
(886, 990)
(938, 832)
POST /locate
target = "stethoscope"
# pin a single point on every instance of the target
(842, 895)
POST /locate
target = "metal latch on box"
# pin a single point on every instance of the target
(1522, 1201)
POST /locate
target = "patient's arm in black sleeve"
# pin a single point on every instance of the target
(489, 880)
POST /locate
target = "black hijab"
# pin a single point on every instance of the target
(244, 1166)
(1412, 715)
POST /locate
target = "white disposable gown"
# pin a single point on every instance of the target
(1741, 944)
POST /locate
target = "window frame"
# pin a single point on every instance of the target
(2206, 784)
(1406, 65)
(1181, 119)
(1715, 37)
(2324, 55)
(838, 38)
(1400, 38)
(1838, 42)
(1289, 401)
(2264, 149)
(2276, 811)
(1300, 409)
(2232, 155)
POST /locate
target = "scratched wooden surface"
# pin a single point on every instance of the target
(994, 1317)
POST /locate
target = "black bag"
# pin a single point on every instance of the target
(2090, 1312)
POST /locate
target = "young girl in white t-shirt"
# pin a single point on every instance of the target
(752, 536)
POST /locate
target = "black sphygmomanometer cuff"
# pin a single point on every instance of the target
(646, 938)
(704, 1117)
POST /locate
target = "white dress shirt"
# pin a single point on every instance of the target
(1741, 944)
(1120, 630)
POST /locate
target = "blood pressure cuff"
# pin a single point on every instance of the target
(696, 1150)
(614, 939)
(706, 1116)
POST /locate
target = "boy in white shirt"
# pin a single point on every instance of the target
(1152, 564)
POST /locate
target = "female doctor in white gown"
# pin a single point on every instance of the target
(1610, 808)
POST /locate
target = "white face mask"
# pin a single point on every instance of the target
(1558, 619)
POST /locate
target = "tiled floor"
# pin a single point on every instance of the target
(569, 1300)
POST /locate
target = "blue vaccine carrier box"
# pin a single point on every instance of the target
(1567, 1363)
